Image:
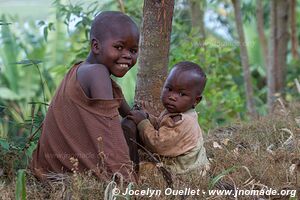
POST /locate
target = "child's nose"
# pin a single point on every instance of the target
(172, 97)
(126, 54)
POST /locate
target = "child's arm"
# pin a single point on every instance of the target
(137, 116)
(101, 86)
(95, 81)
(171, 139)
(124, 109)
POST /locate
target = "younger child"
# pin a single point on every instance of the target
(82, 129)
(176, 134)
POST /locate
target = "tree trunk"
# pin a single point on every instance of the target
(154, 52)
(244, 59)
(294, 37)
(260, 29)
(197, 15)
(277, 50)
(121, 6)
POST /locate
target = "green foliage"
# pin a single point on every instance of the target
(74, 13)
(4, 145)
(292, 73)
(4, 23)
(20, 85)
(21, 185)
(46, 28)
(9, 52)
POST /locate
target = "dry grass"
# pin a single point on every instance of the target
(264, 153)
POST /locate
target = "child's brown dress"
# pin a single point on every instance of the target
(88, 130)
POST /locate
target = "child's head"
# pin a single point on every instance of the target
(114, 39)
(183, 87)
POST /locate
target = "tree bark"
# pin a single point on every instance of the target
(154, 52)
(260, 29)
(294, 38)
(197, 9)
(121, 6)
(197, 15)
(244, 58)
(278, 49)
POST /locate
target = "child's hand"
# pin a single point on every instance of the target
(137, 116)
(147, 106)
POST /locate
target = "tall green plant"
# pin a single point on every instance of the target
(21, 185)
(22, 93)
(9, 54)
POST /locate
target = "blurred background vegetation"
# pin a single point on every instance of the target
(40, 40)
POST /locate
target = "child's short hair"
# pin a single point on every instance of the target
(106, 20)
(196, 69)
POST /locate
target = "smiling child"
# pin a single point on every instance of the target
(82, 128)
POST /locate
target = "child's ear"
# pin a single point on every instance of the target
(198, 99)
(95, 46)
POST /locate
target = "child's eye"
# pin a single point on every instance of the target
(134, 51)
(181, 94)
(119, 47)
(168, 89)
